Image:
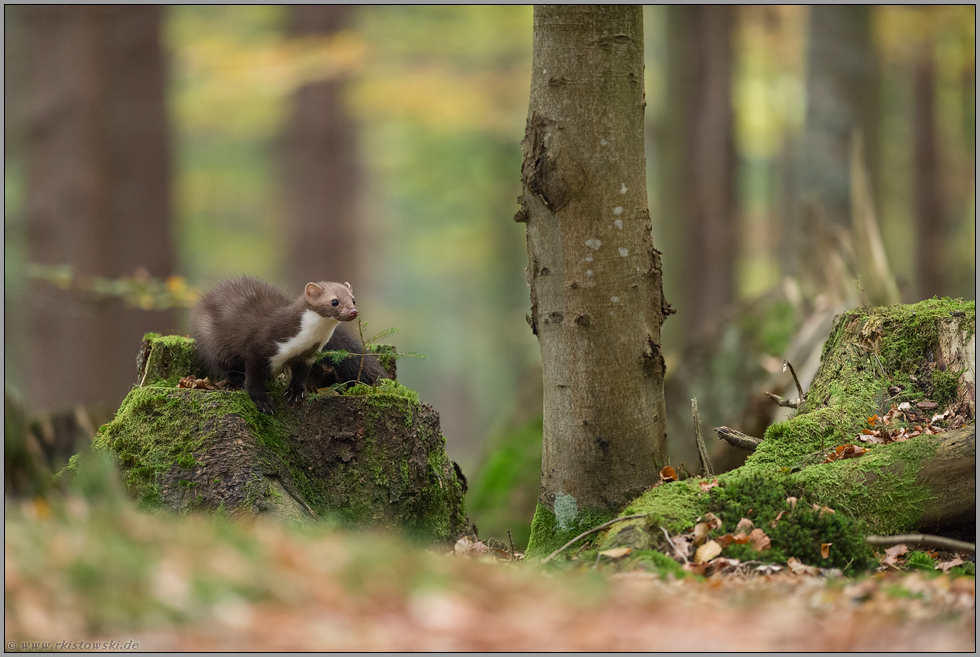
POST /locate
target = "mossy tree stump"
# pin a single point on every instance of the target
(373, 456)
(874, 358)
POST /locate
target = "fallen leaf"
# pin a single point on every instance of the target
(707, 552)
(776, 521)
(946, 565)
(193, 382)
(797, 567)
(682, 545)
(701, 532)
(468, 547)
(708, 485)
(893, 553)
(668, 474)
(713, 521)
(927, 405)
(759, 540)
(616, 553)
(825, 550)
(744, 525)
(792, 502)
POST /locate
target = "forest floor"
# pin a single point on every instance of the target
(82, 571)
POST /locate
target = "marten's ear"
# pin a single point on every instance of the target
(349, 287)
(313, 291)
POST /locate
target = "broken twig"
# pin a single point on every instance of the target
(782, 401)
(737, 438)
(927, 540)
(799, 388)
(706, 470)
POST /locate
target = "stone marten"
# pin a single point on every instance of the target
(247, 332)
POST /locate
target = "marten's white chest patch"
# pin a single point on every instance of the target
(314, 332)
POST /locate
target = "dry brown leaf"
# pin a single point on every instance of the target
(713, 521)
(776, 521)
(193, 382)
(744, 525)
(825, 550)
(792, 502)
(668, 474)
(616, 553)
(682, 545)
(946, 565)
(701, 532)
(469, 547)
(760, 542)
(707, 552)
(893, 553)
(797, 567)
(708, 485)
(927, 405)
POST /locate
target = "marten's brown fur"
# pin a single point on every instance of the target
(247, 331)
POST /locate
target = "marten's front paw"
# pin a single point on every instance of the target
(294, 394)
(264, 404)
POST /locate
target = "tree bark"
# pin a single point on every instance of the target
(708, 156)
(928, 204)
(840, 95)
(596, 288)
(321, 170)
(98, 191)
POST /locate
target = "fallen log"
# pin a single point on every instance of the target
(850, 462)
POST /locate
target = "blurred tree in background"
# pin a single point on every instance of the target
(434, 102)
(98, 167)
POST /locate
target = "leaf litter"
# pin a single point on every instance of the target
(194, 583)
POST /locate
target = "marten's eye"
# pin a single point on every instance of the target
(352, 302)
(334, 303)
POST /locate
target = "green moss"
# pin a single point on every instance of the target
(945, 386)
(799, 531)
(547, 536)
(165, 359)
(156, 429)
(882, 486)
(909, 332)
(920, 561)
(673, 506)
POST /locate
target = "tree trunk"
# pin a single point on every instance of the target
(596, 291)
(708, 156)
(840, 95)
(928, 205)
(320, 166)
(98, 191)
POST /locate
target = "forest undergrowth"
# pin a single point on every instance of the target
(87, 567)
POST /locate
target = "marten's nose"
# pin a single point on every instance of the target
(353, 313)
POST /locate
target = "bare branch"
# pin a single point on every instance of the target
(706, 469)
(782, 401)
(927, 540)
(737, 438)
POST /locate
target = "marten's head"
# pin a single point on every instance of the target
(333, 300)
